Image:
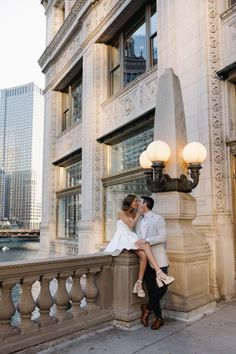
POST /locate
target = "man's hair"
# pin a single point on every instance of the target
(149, 201)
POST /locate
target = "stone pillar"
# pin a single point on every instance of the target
(189, 255)
(94, 79)
(188, 251)
(126, 307)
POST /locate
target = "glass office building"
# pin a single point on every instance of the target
(21, 149)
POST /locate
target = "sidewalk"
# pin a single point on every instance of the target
(212, 334)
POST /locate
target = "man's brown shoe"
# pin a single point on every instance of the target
(145, 314)
(157, 324)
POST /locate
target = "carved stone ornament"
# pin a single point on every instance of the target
(216, 107)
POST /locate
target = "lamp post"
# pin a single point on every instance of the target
(154, 158)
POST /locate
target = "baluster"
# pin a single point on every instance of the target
(26, 306)
(77, 294)
(91, 291)
(45, 301)
(7, 309)
(62, 297)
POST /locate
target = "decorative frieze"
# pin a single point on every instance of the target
(68, 142)
(216, 107)
(135, 100)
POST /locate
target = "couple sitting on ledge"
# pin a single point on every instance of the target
(149, 243)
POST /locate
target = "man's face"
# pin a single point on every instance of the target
(144, 204)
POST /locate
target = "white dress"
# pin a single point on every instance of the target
(124, 238)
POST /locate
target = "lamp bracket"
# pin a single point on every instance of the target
(158, 182)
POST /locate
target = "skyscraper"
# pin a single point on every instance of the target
(21, 149)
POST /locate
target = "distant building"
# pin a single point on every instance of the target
(2, 189)
(21, 149)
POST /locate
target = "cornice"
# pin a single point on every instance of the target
(58, 39)
(61, 40)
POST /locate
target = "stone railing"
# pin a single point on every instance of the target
(46, 301)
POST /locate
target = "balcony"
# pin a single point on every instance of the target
(60, 297)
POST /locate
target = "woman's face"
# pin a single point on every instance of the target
(135, 203)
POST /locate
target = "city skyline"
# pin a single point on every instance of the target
(23, 27)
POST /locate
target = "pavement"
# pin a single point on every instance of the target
(214, 333)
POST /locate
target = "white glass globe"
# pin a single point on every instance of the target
(144, 160)
(194, 153)
(158, 151)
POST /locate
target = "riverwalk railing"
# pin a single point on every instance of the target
(60, 298)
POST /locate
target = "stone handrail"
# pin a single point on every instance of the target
(59, 298)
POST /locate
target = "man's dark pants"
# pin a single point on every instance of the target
(154, 292)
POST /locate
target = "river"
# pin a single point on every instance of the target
(19, 250)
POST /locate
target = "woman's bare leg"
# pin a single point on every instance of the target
(138, 286)
(161, 276)
(147, 249)
(142, 263)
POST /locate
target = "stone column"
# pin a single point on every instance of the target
(188, 251)
(94, 86)
(189, 256)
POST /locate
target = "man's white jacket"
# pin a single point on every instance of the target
(156, 236)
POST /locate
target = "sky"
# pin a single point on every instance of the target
(22, 42)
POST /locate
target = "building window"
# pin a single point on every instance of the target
(72, 104)
(134, 50)
(124, 155)
(69, 209)
(114, 194)
(232, 2)
(124, 174)
(69, 199)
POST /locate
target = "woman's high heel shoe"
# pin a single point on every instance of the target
(159, 282)
(164, 278)
(138, 289)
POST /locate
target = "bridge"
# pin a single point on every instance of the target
(20, 234)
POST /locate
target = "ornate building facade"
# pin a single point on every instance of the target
(102, 62)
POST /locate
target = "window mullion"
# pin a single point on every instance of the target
(148, 31)
(70, 105)
(121, 42)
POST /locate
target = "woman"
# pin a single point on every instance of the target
(125, 238)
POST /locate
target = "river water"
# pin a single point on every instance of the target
(19, 250)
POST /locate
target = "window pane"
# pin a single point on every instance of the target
(135, 54)
(153, 24)
(125, 155)
(69, 214)
(113, 200)
(154, 50)
(74, 174)
(76, 103)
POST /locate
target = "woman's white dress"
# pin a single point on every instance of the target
(124, 238)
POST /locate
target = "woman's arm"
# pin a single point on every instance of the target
(122, 215)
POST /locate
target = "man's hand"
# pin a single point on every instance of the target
(140, 242)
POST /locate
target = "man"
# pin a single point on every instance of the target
(152, 228)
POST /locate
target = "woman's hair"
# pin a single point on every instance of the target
(126, 204)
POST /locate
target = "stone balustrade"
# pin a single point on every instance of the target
(58, 298)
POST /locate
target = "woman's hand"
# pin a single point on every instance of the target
(140, 208)
(140, 242)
